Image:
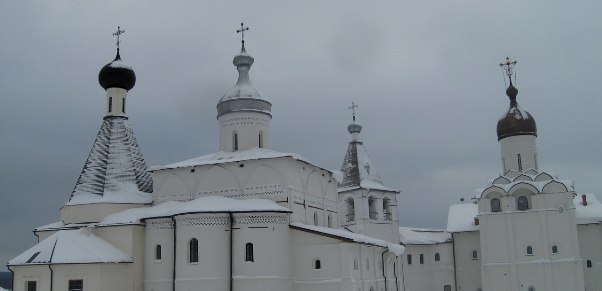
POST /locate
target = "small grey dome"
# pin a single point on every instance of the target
(117, 74)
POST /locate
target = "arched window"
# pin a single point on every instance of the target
(437, 257)
(235, 141)
(529, 250)
(386, 210)
(193, 251)
(316, 218)
(475, 255)
(554, 249)
(522, 203)
(317, 265)
(261, 139)
(372, 208)
(495, 205)
(355, 264)
(329, 220)
(157, 252)
(350, 209)
(589, 263)
(110, 104)
(249, 252)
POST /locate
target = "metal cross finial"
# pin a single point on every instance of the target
(508, 67)
(242, 32)
(117, 34)
(352, 107)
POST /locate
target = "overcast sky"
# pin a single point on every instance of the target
(424, 73)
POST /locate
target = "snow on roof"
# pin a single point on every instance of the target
(230, 157)
(423, 236)
(127, 193)
(120, 64)
(71, 247)
(591, 213)
(210, 204)
(461, 217)
(359, 238)
(59, 225)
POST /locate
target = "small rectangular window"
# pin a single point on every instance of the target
(110, 104)
(475, 255)
(31, 285)
(123, 105)
(421, 259)
(76, 285)
(409, 259)
(520, 163)
(158, 253)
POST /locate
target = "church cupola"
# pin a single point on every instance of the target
(516, 130)
(243, 112)
(117, 78)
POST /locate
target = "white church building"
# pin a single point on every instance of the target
(250, 218)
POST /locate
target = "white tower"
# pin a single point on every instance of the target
(244, 114)
(527, 219)
(366, 205)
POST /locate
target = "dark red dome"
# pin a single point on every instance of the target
(117, 74)
(516, 121)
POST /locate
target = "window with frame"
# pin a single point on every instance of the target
(386, 208)
(249, 253)
(317, 265)
(554, 249)
(447, 288)
(329, 220)
(409, 258)
(520, 163)
(421, 259)
(76, 285)
(316, 218)
(110, 104)
(522, 203)
(529, 250)
(193, 251)
(589, 263)
(157, 252)
(235, 141)
(350, 209)
(475, 255)
(31, 285)
(372, 208)
(496, 205)
(437, 257)
(261, 139)
(123, 105)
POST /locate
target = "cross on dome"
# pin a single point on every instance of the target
(242, 32)
(352, 107)
(508, 67)
(117, 34)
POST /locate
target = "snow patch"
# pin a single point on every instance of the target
(461, 217)
(592, 213)
(423, 236)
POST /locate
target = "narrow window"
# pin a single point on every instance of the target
(235, 141)
(372, 208)
(316, 218)
(350, 209)
(31, 286)
(522, 203)
(76, 285)
(409, 259)
(421, 259)
(589, 263)
(475, 255)
(386, 210)
(193, 251)
(261, 139)
(520, 163)
(447, 288)
(529, 250)
(123, 105)
(554, 249)
(110, 104)
(355, 264)
(437, 257)
(317, 265)
(329, 220)
(157, 252)
(249, 252)
(367, 264)
(495, 205)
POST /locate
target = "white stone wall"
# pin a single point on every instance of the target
(430, 274)
(590, 247)
(523, 145)
(379, 227)
(248, 126)
(468, 269)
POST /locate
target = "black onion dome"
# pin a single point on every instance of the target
(117, 74)
(515, 121)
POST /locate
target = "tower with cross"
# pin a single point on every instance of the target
(242, 35)
(117, 34)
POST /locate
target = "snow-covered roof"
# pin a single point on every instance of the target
(423, 236)
(209, 204)
(71, 247)
(347, 235)
(591, 213)
(358, 169)
(60, 225)
(243, 88)
(538, 179)
(231, 157)
(461, 217)
(115, 171)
